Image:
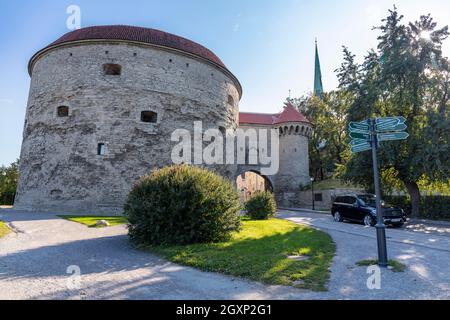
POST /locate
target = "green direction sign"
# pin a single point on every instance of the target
(392, 136)
(397, 127)
(389, 122)
(360, 135)
(361, 147)
(358, 126)
(355, 142)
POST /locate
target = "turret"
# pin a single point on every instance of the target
(294, 130)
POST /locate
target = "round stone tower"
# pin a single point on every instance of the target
(295, 131)
(102, 107)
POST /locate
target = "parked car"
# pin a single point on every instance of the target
(362, 208)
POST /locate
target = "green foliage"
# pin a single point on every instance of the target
(395, 265)
(181, 205)
(407, 76)
(432, 207)
(328, 143)
(260, 252)
(9, 177)
(261, 206)
(4, 230)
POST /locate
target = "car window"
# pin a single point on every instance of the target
(351, 200)
(339, 199)
(367, 200)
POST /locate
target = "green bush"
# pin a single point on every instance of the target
(431, 207)
(182, 205)
(261, 206)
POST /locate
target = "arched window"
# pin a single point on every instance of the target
(63, 111)
(149, 116)
(281, 130)
(111, 69)
(297, 129)
(291, 130)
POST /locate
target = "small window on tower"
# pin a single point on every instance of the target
(230, 100)
(149, 116)
(101, 149)
(63, 111)
(111, 69)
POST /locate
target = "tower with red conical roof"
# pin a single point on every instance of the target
(294, 132)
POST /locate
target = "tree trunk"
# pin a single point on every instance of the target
(414, 193)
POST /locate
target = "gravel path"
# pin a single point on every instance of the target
(34, 262)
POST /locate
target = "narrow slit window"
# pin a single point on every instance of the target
(63, 111)
(149, 116)
(111, 69)
(101, 149)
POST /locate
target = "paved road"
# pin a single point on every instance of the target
(34, 262)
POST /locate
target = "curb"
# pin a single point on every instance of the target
(305, 210)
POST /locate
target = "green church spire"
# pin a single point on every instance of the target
(318, 88)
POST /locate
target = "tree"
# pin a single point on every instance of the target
(329, 117)
(407, 76)
(8, 182)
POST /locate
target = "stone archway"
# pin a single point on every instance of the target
(251, 181)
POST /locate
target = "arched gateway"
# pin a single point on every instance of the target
(103, 104)
(294, 131)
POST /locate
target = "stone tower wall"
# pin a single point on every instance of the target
(294, 162)
(60, 169)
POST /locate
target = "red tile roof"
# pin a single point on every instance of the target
(137, 34)
(257, 118)
(289, 114)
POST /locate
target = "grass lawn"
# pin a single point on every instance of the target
(395, 265)
(4, 230)
(90, 221)
(260, 252)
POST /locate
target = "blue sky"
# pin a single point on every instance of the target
(267, 44)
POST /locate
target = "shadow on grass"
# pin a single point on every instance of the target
(264, 257)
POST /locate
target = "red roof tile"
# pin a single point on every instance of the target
(139, 34)
(289, 114)
(136, 34)
(257, 118)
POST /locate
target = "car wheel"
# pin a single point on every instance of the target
(368, 221)
(337, 217)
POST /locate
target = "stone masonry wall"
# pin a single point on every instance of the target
(59, 167)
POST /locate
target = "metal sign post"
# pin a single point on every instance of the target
(367, 135)
(381, 228)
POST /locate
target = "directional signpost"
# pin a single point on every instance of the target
(366, 135)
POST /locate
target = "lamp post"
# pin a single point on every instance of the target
(312, 193)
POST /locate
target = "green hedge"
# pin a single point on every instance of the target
(431, 207)
(182, 205)
(261, 206)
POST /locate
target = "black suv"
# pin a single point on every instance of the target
(362, 208)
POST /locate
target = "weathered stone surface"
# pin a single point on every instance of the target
(60, 169)
(59, 166)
